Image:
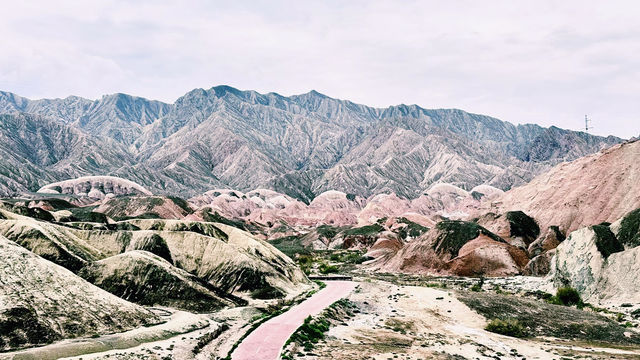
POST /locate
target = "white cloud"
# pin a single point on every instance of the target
(546, 62)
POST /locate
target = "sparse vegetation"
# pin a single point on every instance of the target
(478, 286)
(209, 337)
(327, 231)
(328, 269)
(313, 329)
(290, 246)
(522, 225)
(267, 293)
(310, 332)
(508, 327)
(629, 233)
(606, 241)
(367, 230)
(540, 318)
(215, 217)
(455, 233)
(412, 229)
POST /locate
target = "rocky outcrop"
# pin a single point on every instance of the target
(278, 213)
(224, 256)
(547, 242)
(593, 261)
(57, 244)
(41, 302)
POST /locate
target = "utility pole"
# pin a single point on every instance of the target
(586, 124)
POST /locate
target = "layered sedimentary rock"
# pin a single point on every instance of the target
(457, 248)
(41, 302)
(593, 189)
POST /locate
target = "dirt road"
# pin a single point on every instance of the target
(266, 341)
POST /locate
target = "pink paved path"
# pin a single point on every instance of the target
(265, 342)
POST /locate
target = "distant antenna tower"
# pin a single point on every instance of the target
(586, 124)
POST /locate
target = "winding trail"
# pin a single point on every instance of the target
(266, 342)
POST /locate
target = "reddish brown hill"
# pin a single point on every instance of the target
(590, 190)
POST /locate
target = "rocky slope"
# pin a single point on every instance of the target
(300, 145)
(590, 190)
(600, 261)
(41, 302)
(147, 279)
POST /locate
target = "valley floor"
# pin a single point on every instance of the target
(393, 319)
(411, 322)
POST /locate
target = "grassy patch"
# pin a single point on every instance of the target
(290, 245)
(606, 242)
(328, 269)
(327, 231)
(629, 233)
(453, 234)
(412, 229)
(508, 327)
(367, 230)
(522, 225)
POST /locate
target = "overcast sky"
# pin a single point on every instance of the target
(545, 62)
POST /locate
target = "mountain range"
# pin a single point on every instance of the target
(300, 145)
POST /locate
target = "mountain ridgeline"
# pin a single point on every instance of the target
(300, 145)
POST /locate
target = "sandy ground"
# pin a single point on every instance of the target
(266, 342)
(408, 322)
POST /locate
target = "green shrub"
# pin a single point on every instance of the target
(508, 327)
(478, 286)
(310, 332)
(568, 296)
(328, 269)
(606, 241)
(522, 225)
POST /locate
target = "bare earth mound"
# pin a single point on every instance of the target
(41, 302)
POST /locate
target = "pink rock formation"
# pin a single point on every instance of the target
(590, 190)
